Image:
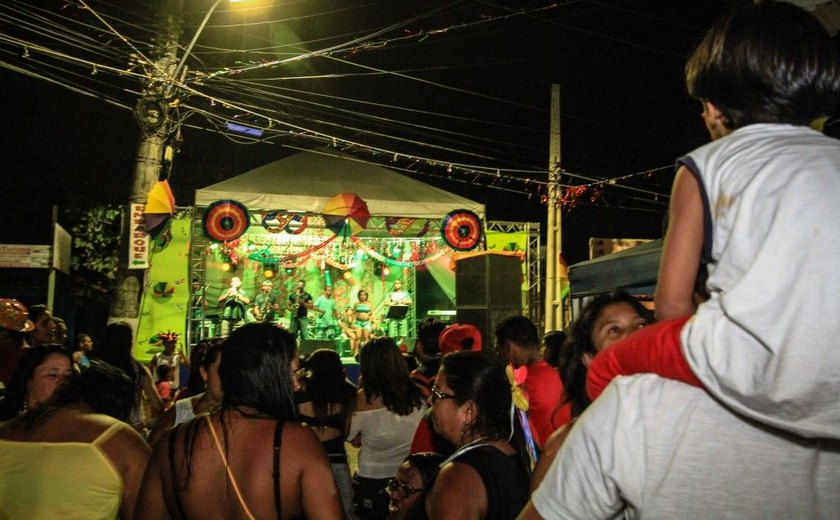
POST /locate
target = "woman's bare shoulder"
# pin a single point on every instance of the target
(300, 433)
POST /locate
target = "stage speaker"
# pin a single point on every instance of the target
(488, 280)
(309, 346)
(488, 289)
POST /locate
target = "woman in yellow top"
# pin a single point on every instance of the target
(74, 457)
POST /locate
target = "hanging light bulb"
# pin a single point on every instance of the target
(226, 266)
(269, 271)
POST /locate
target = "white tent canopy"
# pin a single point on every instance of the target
(305, 181)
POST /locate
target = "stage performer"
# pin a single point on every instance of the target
(265, 306)
(327, 325)
(347, 323)
(397, 328)
(363, 313)
(300, 302)
(234, 301)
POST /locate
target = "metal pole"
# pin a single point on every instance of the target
(554, 244)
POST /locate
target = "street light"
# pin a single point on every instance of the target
(176, 75)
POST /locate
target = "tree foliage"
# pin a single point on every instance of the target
(96, 241)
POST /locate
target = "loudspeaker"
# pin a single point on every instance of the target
(488, 289)
(488, 280)
(309, 346)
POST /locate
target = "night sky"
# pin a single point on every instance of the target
(487, 66)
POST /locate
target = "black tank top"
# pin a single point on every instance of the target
(505, 480)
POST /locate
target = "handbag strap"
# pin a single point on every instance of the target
(227, 469)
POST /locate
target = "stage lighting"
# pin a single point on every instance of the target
(269, 270)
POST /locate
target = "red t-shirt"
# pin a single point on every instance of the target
(545, 392)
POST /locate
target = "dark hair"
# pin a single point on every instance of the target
(477, 377)
(325, 382)
(79, 338)
(256, 375)
(359, 294)
(553, 341)
(211, 353)
(428, 333)
(204, 354)
(385, 374)
(255, 372)
(162, 371)
(32, 358)
(115, 347)
(571, 366)
(102, 386)
(36, 311)
(519, 329)
(427, 464)
(766, 62)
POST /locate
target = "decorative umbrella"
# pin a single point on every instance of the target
(346, 214)
(461, 230)
(225, 220)
(160, 204)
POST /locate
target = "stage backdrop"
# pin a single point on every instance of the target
(167, 291)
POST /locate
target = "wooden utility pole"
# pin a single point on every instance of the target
(155, 122)
(554, 273)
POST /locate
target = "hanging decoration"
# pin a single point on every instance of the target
(461, 230)
(160, 205)
(225, 220)
(571, 196)
(346, 214)
(297, 224)
(264, 256)
(230, 254)
(376, 255)
(397, 226)
(338, 265)
(274, 222)
(163, 290)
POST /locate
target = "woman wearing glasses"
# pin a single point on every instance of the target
(472, 408)
(408, 488)
(388, 408)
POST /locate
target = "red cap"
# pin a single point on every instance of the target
(457, 337)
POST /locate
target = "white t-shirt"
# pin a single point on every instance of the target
(386, 439)
(766, 342)
(657, 448)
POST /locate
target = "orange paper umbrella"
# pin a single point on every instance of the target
(346, 214)
(160, 204)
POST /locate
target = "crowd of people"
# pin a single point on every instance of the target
(721, 404)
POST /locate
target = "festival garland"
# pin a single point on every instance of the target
(397, 226)
(399, 263)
